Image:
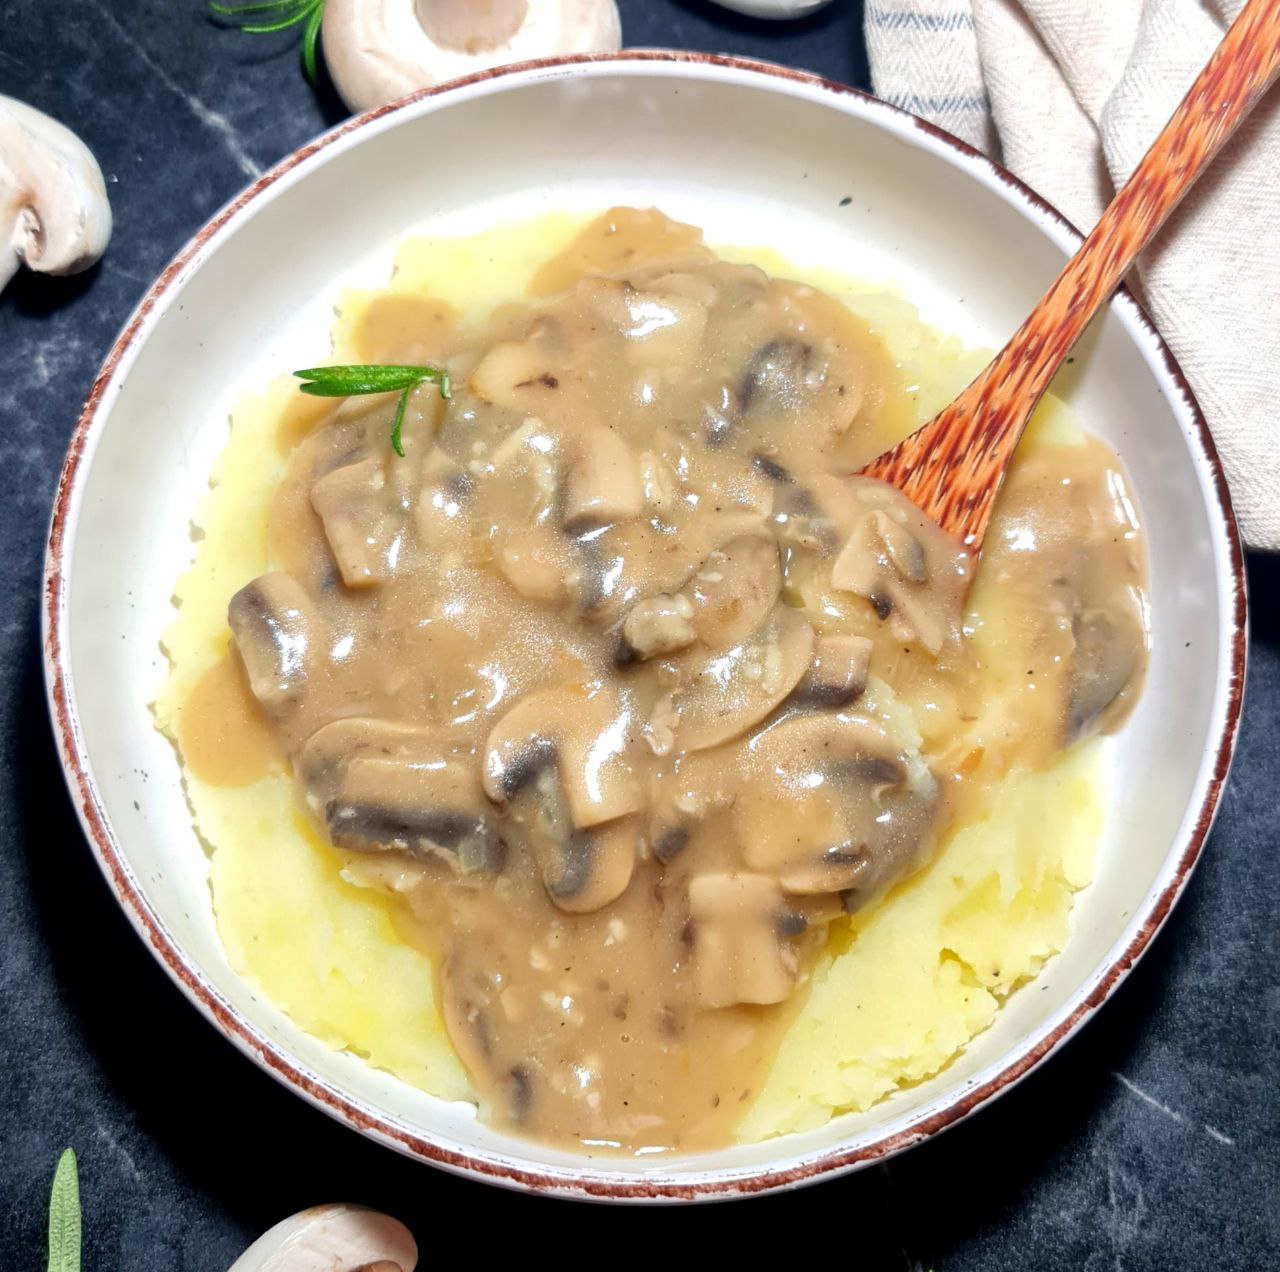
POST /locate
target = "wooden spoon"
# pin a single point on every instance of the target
(953, 466)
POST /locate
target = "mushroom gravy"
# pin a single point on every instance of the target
(626, 690)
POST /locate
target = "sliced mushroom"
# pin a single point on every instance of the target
(733, 691)
(536, 562)
(740, 950)
(427, 809)
(668, 834)
(603, 483)
(54, 214)
(274, 627)
(838, 673)
(734, 589)
(518, 375)
(320, 762)
(585, 734)
(775, 377)
(696, 789)
(381, 50)
(662, 329)
(1107, 654)
(913, 573)
(359, 519)
(381, 785)
(336, 1238)
(772, 469)
(656, 626)
(582, 869)
(633, 560)
(697, 287)
(830, 803)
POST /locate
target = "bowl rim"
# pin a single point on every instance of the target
(590, 1181)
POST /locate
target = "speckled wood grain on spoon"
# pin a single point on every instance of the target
(952, 467)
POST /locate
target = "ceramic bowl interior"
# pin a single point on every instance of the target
(754, 156)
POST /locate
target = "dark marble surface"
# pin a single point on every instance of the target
(1149, 1142)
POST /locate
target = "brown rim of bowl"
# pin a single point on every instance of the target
(345, 1109)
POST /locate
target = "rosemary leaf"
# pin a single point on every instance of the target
(266, 28)
(398, 423)
(363, 378)
(310, 33)
(244, 10)
(64, 1216)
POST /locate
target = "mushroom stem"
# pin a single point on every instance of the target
(471, 26)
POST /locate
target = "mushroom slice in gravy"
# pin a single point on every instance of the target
(382, 786)
(914, 575)
(582, 870)
(775, 377)
(425, 808)
(274, 625)
(734, 589)
(838, 674)
(584, 733)
(359, 520)
(727, 599)
(1108, 652)
(734, 689)
(831, 804)
(740, 950)
(603, 483)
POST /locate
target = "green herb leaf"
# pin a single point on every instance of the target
(277, 15)
(266, 28)
(358, 379)
(64, 1216)
(310, 34)
(244, 10)
(398, 423)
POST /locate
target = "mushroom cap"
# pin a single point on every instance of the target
(588, 869)
(734, 691)
(904, 564)
(858, 806)
(734, 589)
(334, 1238)
(54, 213)
(378, 50)
(778, 9)
(585, 733)
(273, 624)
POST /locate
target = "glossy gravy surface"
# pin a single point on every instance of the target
(626, 687)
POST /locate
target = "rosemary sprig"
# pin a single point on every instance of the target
(361, 378)
(64, 1216)
(265, 16)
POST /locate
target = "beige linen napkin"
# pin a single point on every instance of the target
(1069, 94)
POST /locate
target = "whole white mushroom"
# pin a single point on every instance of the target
(379, 50)
(54, 214)
(774, 8)
(334, 1238)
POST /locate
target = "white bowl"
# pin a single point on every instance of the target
(755, 154)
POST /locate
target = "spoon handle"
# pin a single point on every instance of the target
(953, 466)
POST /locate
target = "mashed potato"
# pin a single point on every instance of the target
(900, 988)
